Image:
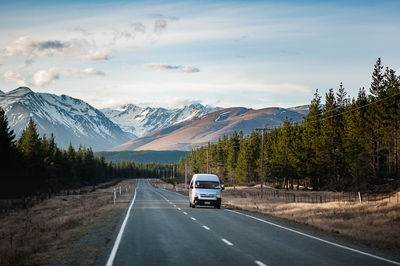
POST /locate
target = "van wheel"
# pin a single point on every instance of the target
(193, 206)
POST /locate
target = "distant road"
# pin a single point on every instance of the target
(161, 229)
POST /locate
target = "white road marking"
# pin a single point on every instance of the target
(317, 238)
(174, 205)
(259, 263)
(194, 219)
(179, 208)
(206, 227)
(185, 213)
(226, 242)
(110, 260)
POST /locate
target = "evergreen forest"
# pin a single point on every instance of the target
(35, 165)
(342, 144)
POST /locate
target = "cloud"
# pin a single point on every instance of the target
(97, 55)
(83, 73)
(27, 47)
(172, 68)
(160, 24)
(138, 27)
(74, 48)
(15, 77)
(82, 31)
(44, 77)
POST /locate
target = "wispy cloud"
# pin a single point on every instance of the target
(47, 76)
(39, 78)
(74, 48)
(160, 24)
(27, 47)
(83, 73)
(15, 77)
(172, 68)
(97, 55)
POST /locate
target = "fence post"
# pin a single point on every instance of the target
(359, 197)
(320, 199)
(120, 192)
(115, 196)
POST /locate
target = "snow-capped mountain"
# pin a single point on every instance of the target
(197, 132)
(141, 121)
(71, 120)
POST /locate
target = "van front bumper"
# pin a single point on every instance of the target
(207, 202)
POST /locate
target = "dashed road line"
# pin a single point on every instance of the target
(317, 238)
(179, 208)
(194, 219)
(259, 263)
(206, 227)
(226, 242)
(185, 213)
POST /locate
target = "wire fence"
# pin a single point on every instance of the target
(314, 196)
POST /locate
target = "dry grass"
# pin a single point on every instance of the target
(50, 232)
(375, 224)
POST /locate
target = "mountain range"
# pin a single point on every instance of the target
(71, 120)
(210, 127)
(139, 121)
(131, 127)
(75, 121)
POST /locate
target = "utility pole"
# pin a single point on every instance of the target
(207, 158)
(185, 174)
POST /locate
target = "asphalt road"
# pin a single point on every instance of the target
(161, 229)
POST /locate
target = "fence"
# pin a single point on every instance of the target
(314, 196)
(117, 191)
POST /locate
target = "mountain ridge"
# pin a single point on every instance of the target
(210, 127)
(71, 120)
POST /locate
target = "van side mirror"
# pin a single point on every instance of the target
(222, 187)
(191, 186)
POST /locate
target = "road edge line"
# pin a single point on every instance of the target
(317, 238)
(114, 250)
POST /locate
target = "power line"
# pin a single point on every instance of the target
(357, 108)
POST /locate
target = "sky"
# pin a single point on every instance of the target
(254, 54)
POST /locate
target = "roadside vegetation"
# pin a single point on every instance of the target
(342, 144)
(33, 168)
(72, 228)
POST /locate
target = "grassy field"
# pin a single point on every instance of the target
(375, 224)
(69, 229)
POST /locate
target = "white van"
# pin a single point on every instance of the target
(205, 189)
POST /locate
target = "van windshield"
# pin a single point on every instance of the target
(207, 184)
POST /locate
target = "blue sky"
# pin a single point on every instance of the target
(169, 53)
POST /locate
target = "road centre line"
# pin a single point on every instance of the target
(110, 260)
(259, 263)
(194, 219)
(226, 242)
(206, 227)
(179, 208)
(317, 238)
(185, 213)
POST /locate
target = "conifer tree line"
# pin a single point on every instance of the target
(34, 164)
(342, 144)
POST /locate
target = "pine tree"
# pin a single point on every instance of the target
(31, 148)
(8, 157)
(311, 142)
